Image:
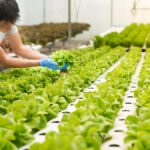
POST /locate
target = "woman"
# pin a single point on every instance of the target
(9, 14)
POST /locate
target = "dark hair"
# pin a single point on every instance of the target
(9, 11)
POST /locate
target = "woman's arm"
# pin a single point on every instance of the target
(18, 47)
(16, 62)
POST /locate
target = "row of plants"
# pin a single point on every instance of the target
(128, 29)
(49, 32)
(132, 35)
(141, 38)
(74, 57)
(87, 127)
(114, 38)
(30, 112)
(138, 133)
(21, 81)
(15, 74)
(129, 40)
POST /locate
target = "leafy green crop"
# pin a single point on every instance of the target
(132, 35)
(13, 133)
(62, 57)
(97, 41)
(96, 113)
(31, 97)
(112, 39)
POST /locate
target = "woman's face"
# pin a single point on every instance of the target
(5, 26)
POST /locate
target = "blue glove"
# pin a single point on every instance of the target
(64, 67)
(47, 62)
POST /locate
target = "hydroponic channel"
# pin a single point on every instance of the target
(118, 132)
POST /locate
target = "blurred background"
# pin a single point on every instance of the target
(101, 15)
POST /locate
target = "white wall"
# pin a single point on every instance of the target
(31, 11)
(123, 12)
(22, 11)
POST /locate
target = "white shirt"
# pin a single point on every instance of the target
(3, 35)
